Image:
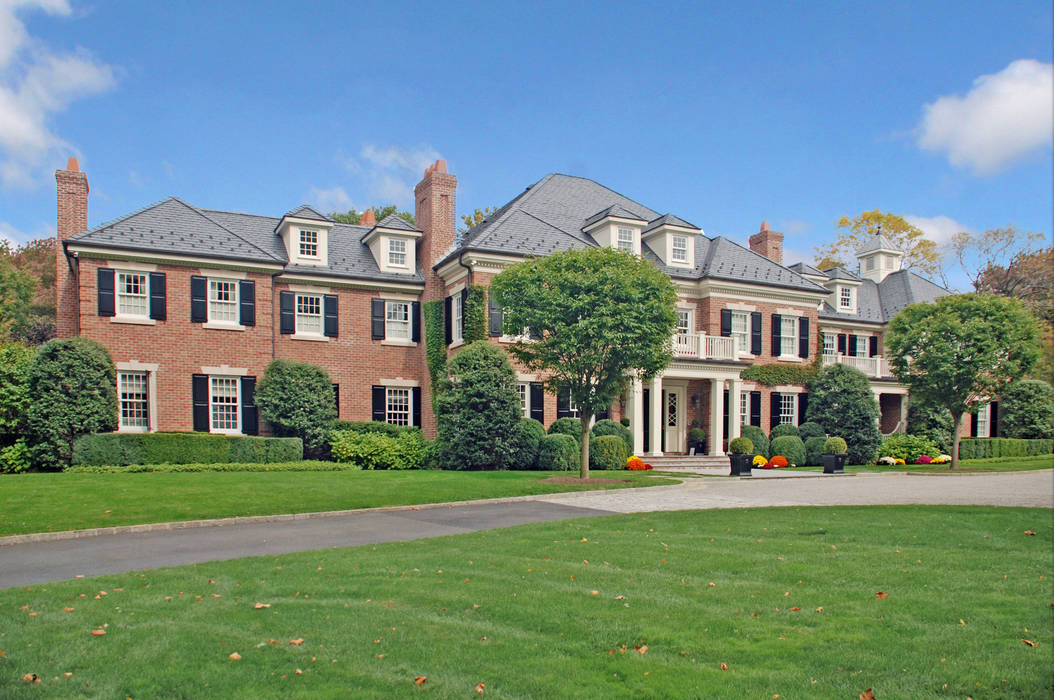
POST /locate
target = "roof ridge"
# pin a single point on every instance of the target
(505, 210)
(557, 228)
(252, 245)
(239, 213)
(114, 222)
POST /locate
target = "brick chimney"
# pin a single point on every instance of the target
(367, 218)
(768, 243)
(72, 190)
(435, 200)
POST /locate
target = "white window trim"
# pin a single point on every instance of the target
(299, 334)
(124, 317)
(851, 308)
(409, 404)
(237, 405)
(794, 408)
(834, 344)
(984, 421)
(525, 397)
(388, 339)
(691, 320)
(674, 249)
(792, 356)
(745, 350)
(151, 388)
(457, 320)
(632, 239)
(223, 325)
(149, 380)
(404, 252)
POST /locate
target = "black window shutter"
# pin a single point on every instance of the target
(106, 292)
(200, 398)
(495, 316)
(755, 333)
(852, 344)
(726, 323)
(603, 414)
(803, 337)
(447, 320)
(286, 312)
(841, 343)
(776, 335)
(380, 408)
(247, 303)
(533, 334)
(726, 407)
(774, 410)
(377, 319)
(563, 404)
(415, 321)
(755, 408)
(250, 423)
(803, 405)
(873, 346)
(993, 419)
(336, 398)
(329, 315)
(198, 299)
(537, 402)
(415, 399)
(157, 296)
(973, 425)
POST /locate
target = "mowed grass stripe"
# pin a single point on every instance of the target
(963, 585)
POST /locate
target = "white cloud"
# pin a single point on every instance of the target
(938, 229)
(333, 199)
(16, 237)
(389, 173)
(1006, 116)
(35, 83)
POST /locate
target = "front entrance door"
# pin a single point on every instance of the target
(673, 420)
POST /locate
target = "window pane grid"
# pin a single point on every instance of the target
(788, 335)
(224, 403)
(397, 252)
(397, 319)
(680, 249)
(132, 392)
(744, 409)
(845, 298)
(132, 294)
(828, 344)
(525, 399)
(398, 406)
(625, 239)
(223, 300)
(308, 314)
(788, 408)
(309, 244)
(684, 322)
(457, 327)
(740, 331)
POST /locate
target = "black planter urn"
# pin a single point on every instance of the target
(833, 463)
(741, 464)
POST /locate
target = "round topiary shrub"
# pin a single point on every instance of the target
(758, 437)
(781, 430)
(835, 446)
(296, 399)
(607, 452)
(567, 426)
(696, 437)
(741, 446)
(526, 440)
(558, 452)
(814, 451)
(791, 447)
(810, 429)
(610, 427)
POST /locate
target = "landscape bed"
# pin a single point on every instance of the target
(920, 602)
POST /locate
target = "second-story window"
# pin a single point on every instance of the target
(309, 314)
(829, 344)
(845, 298)
(789, 335)
(223, 301)
(684, 321)
(457, 319)
(679, 251)
(625, 238)
(741, 330)
(397, 320)
(132, 294)
(397, 252)
(309, 244)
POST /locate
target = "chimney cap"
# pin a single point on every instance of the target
(72, 165)
(367, 217)
(764, 226)
(437, 167)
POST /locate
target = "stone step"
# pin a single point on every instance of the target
(686, 461)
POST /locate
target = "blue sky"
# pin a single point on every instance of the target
(795, 113)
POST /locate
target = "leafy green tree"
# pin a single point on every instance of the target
(841, 400)
(1028, 409)
(474, 219)
(932, 422)
(73, 386)
(380, 213)
(16, 292)
(961, 351)
(15, 360)
(920, 253)
(600, 317)
(478, 410)
(296, 398)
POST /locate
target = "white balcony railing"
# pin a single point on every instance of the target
(701, 346)
(871, 366)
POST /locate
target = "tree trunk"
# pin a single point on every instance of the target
(956, 431)
(586, 420)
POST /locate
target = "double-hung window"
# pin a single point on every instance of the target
(625, 238)
(397, 320)
(788, 336)
(397, 252)
(308, 244)
(309, 314)
(457, 319)
(829, 344)
(845, 299)
(684, 321)
(862, 345)
(983, 423)
(788, 408)
(524, 391)
(133, 294)
(679, 249)
(223, 301)
(744, 408)
(397, 405)
(224, 416)
(134, 401)
(741, 330)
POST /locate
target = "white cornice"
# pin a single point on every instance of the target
(749, 292)
(352, 284)
(397, 232)
(170, 259)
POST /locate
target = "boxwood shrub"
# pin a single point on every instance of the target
(985, 448)
(811, 429)
(610, 427)
(791, 447)
(370, 450)
(814, 451)
(567, 426)
(758, 437)
(783, 429)
(528, 438)
(558, 452)
(607, 452)
(120, 449)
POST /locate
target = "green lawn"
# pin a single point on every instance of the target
(54, 502)
(1006, 464)
(913, 602)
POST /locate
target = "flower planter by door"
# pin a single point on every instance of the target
(741, 464)
(833, 463)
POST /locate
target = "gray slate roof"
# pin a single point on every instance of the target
(669, 219)
(393, 221)
(175, 227)
(840, 273)
(549, 216)
(306, 212)
(806, 269)
(877, 242)
(880, 302)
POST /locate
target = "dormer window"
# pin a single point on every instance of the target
(308, 244)
(625, 239)
(397, 252)
(679, 249)
(846, 299)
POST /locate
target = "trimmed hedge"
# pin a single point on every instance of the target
(811, 429)
(302, 466)
(567, 426)
(984, 448)
(525, 443)
(814, 451)
(783, 429)
(610, 427)
(791, 447)
(370, 450)
(122, 449)
(758, 437)
(608, 452)
(372, 426)
(558, 452)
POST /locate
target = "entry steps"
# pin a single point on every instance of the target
(698, 462)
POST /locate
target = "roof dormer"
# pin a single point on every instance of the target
(879, 258)
(615, 227)
(393, 243)
(672, 239)
(305, 234)
(844, 286)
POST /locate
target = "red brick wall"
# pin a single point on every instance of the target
(72, 200)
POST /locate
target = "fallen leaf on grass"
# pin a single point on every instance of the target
(298, 672)
(594, 593)
(819, 609)
(867, 695)
(1029, 532)
(482, 686)
(261, 606)
(724, 667)
(419, 680)
(795, 609)
(622, 597)
(881, 594)
(296, 642)
(643, 649)
(98, 633)
(67, 610)
(68, 674)
(1030, 642)
(235, 656)
(31, 678)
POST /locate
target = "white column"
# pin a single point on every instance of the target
(736, 387)
(635, 413)
(717, 416)
(657, 416)
(903, 413)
